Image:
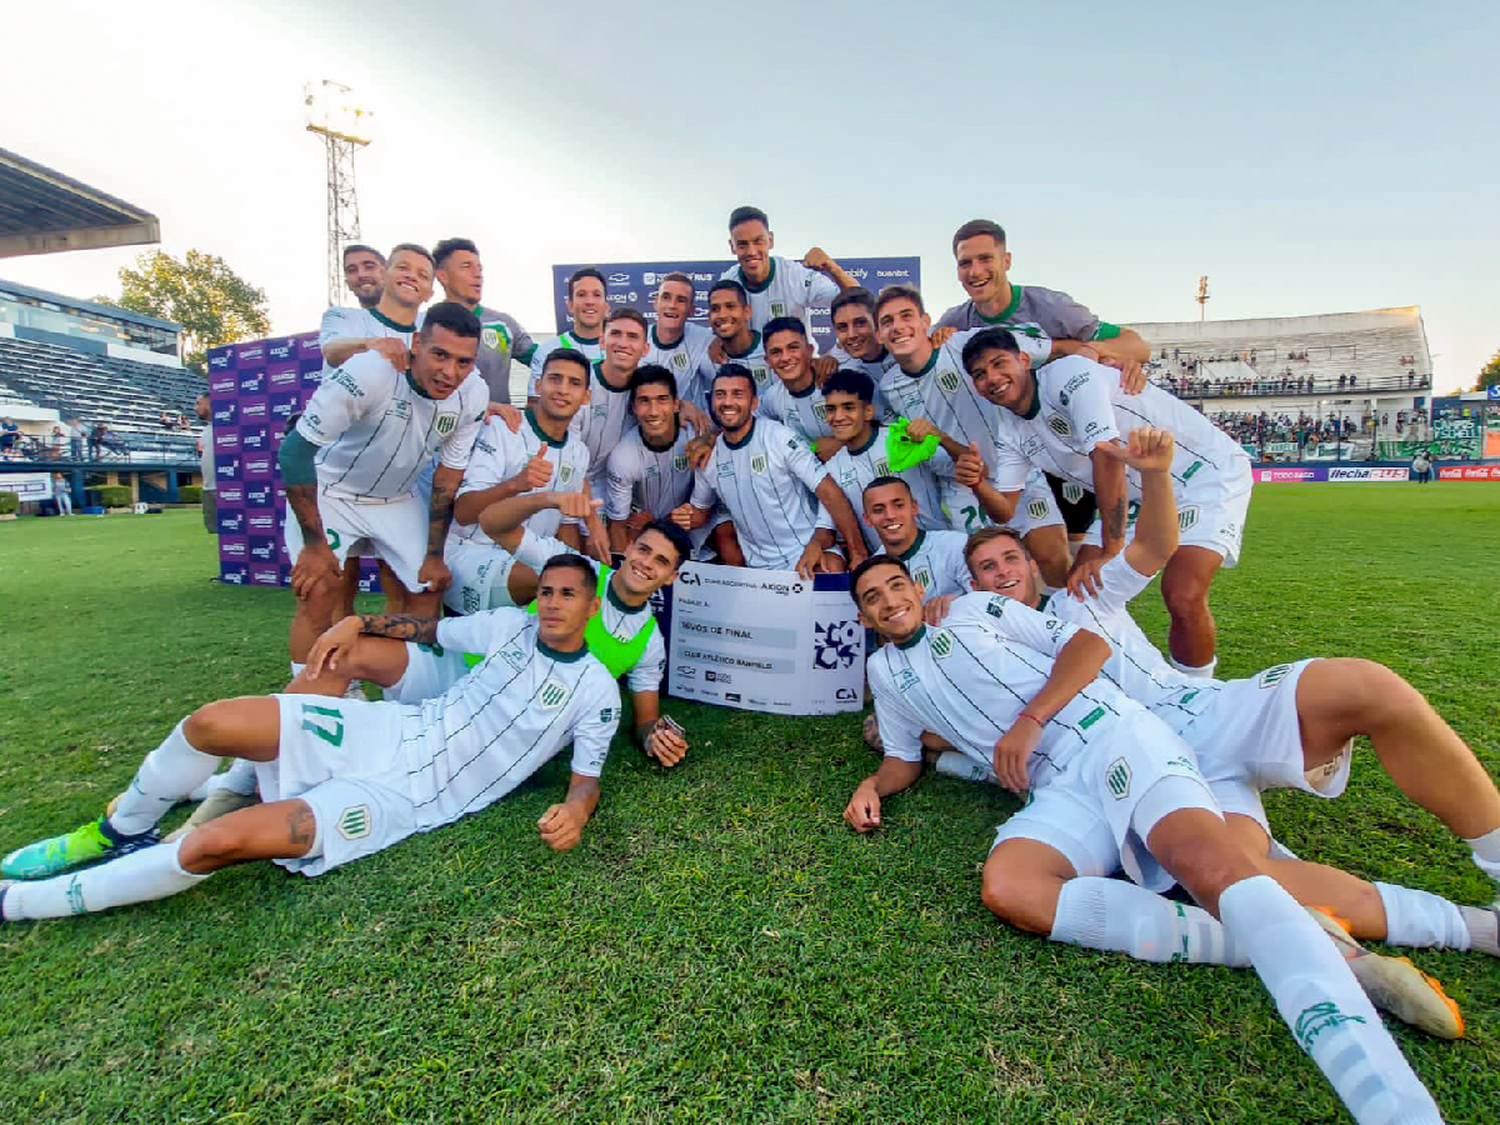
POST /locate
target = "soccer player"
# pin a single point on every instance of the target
(864, 454)
(1110, 786)
(935, 559)
(544, 454)
(387, 325)
(1289, 726)
(779, 286)
(1058, 418)
(606, 417)
(742, 344)
(794, 398)
(350, 463)
(983, 271)
(856, 344)
(345, 779)
(501, 337)
(677, 343)
(364, 273)
(771, 485)
(587, 305)
(927, 385)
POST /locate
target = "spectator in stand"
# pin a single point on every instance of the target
(10, 436)
(167, 420)
(77, 433)
(57, 443)
(209, 498)
(62, 493)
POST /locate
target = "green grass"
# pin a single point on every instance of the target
(720, 947)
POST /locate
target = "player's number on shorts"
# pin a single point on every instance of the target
(330, 732)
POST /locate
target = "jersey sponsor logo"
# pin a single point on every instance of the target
(1038, 509)
(942, 643)
(996, 607)
(1093, 430)
(1187, 517)
(1059, 425)
(399, 408)
(355, 822)
(906, 679)
(342, 378)
(726, 468)
(552, 694)
(1117, 779)
(1318, 1018)
(1191, 469)
(758, 464)
(445, 423)
(1091, 718)
(1188, 696)
(1062, 398)
(1075, 382)
(609, 714)
(1273, 676)
(652, 473)
(948, 381)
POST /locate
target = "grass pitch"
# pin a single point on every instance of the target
(720, 947)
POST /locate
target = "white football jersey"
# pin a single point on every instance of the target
(496, 726)
(936, 560)
(591, 347)
(965, 681)
(766, 484)
(791, 289)
(600, 424)
(684, 359)
(377, 432)
(803, 412)
(753, 357)
(643, 478)
(500, 454)
(340, 323)
(854, 467)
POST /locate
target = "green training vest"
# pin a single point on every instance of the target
(616, 655)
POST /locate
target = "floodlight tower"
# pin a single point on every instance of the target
(1202, 297)
(331, 112)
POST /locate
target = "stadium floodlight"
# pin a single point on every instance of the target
(329, 110)
(1202, 297)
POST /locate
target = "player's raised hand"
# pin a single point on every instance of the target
(694, 417)
(863, 810)
(316, 564)
(666, 745)
(701, 448)
(537, 473)
(822, 367)
(935, 609)
(1147, 449)
(817, 259)
(507, 414)
(561, 827)
(434, 575)
(392, 350)
(969, 468)
(1012, 751)
(682, 516)
(920, 429)
(1083, 579)
(332, 647)
(578, 505)
(940, 336)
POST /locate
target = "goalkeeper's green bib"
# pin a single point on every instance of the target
(616, 655)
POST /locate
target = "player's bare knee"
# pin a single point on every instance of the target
(211, 846)
(1021, 898)
(210, 726)
(1186, 599)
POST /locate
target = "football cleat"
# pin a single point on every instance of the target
(88, 843)
(1394, 984)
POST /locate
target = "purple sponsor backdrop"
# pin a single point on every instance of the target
(254, 388)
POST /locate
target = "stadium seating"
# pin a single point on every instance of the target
(126, 395)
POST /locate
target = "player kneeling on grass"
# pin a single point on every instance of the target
(1111, 787)
(344, 779)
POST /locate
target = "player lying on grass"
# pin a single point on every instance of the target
(1111, 786)
(1289, 726)
(344, 779)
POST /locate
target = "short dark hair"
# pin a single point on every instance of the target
(732, 371)
(444, 249)
(988, 535)
(650, 375)
(746, 214)
(847, 381)
(361, 248)
(579, 274)
(413, 248)
(571, 561)
(567, 355)
(452, 316)
(625, 312)
(729, 283)
(864, 568)
(988, 339)
(881, 482)
(679, 539)
(854, 295)
(681, 278)
(899, 293)
(783, 324)
(975, 227)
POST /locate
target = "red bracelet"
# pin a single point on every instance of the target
(1033, 718)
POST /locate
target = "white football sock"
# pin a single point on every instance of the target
(1328, 1013)
(238, 778)
(1421, 920)
(959, 765)
(1200, 671)
(169, 773)
(1486, 850)
(1124, 918)
(141, 876)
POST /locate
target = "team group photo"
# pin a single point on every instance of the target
(792, 685)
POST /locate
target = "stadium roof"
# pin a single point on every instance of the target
(42, 211)
(62, 300)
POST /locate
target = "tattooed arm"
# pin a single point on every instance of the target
(434, 573)
(336, 645)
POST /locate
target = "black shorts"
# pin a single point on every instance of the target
(1076, 514)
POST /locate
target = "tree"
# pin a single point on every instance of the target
(212, 303)
(1489, 374)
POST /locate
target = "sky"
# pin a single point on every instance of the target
(1308, 158)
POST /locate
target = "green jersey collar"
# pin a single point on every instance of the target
(1006, 313)
(547, 439)
(926, 367)
(1036, 400)
(916, 545)
(764, 285)
(656, 341)
(910, 641)
(669, 443)
(1042, 605)
(389, 323)
(412, 383)
(615, 600)
(598, 366)
(754, 343)
(874, 437)
(573, 339)
(547, 650)
(750, 433)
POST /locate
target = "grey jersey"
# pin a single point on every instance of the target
(1056, 314)
(500, 454)
(340, 323)
(753, 357)
(685, 359)
(591, 348)
(600, 424)
(501, 339)
(802, 412)
(645, 478)
(853, 467)
(766, 483)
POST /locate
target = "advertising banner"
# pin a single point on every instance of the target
(1368, 472)
(1285, 476)
(765, 640)
(634, 284)
(1469, 472)
(30, 488)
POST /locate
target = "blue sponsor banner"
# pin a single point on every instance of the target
(635, 284)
